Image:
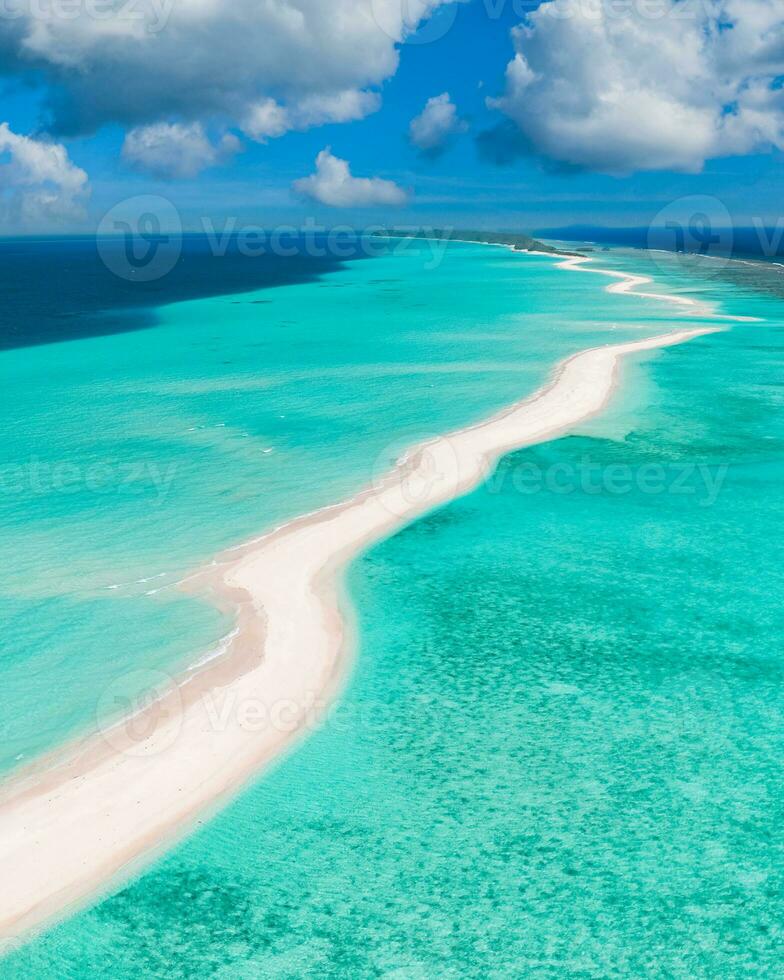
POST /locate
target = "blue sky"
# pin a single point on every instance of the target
(566, 159)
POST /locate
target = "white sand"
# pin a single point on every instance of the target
(75, 826)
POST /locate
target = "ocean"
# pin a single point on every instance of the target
(556, 752)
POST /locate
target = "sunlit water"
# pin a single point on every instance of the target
(558, 753)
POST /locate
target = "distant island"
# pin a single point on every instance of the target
(519, 242)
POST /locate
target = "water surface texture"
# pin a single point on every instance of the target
(131, 458)
(559, 751)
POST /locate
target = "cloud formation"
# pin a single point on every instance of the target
(333, 184)
(267, 119)
(265, 67)
(39, 185)
(176, 149)
(435, 127)
(604, 87)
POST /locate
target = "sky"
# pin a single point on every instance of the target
(502, 114)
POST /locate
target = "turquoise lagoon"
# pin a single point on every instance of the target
(131, 459)
(559, 752)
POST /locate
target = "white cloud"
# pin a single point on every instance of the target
(176, 150)
(604, 87)
(438, 122)
(269, 66)
(39, 185)
(267, 119)
(333, 184)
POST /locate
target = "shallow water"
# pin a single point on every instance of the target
(130, 459)
(558, 753)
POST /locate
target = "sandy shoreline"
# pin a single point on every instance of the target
(69, 829)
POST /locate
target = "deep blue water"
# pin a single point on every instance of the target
(64, 288)
(695, 235)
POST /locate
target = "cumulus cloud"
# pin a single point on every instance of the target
(176, 149)
(333, 184)
(39, 185)
(267, 119)
(604, 87)
(437, 124)
(269, 66)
